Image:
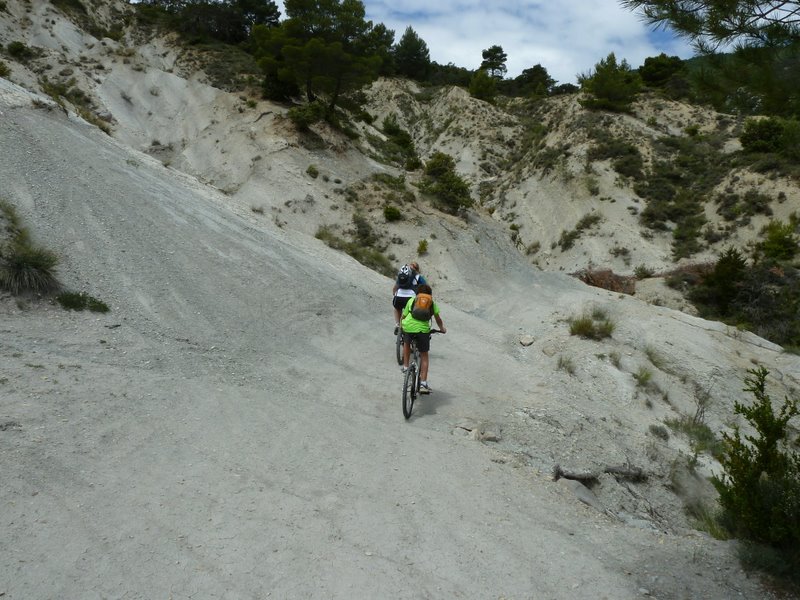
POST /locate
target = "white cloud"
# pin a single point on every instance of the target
(567, 37)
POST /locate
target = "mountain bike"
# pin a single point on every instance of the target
(411, 382)
(399, 345)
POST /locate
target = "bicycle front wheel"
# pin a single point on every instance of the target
(409, 391)
(399, 347)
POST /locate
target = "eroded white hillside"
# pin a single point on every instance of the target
(233, 425)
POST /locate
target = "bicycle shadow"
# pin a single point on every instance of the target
(427, 404)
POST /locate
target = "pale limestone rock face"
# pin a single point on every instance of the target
(229, 405)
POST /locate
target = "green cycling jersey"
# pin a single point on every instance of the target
(412, 325)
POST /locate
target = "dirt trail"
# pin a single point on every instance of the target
(228, 431)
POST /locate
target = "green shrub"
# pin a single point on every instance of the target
(448, 188)
(732, 207)
(686, 170)
(568, 238)
(412, 163)
(14, 225)
(69, 91)
(604, 328)
(707, 520)
(718, 288)
(392, 213)
(643, 377)
(593, 186)
(306, 115)
(26, 268)
(611, 86)
(658, 70)
(565, 363)
(582, 326)
(659, 431)
(759, 489)
(483, 86)
(76, 5)
(72, 300)
(19, 51)
(686, 235)
(23, 266)
(593, 327)
(548, 157)
(81, 301)
(368, 256)
(439, 164)
(400, 147)
(609, 146)
(95, 305)
(422, 247)
(762, 298)
(791, 140)
(396, 183)
(312, 171)
(629, 165)
(588, 220)
(364, 234)
(390, 126)
(701, 436)
(780, 242)
(762, 135)
(627, 160)
(771, 144)
(773, 562)
(767, 304)
(533, 247)
(5, 71)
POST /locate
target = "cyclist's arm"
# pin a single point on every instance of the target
(440, 323)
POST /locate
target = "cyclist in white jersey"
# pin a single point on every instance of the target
(411, 278)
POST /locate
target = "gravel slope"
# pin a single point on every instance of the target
(232, 428)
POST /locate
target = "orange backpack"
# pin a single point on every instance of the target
(422, 307)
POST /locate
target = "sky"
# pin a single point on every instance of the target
(567, 37)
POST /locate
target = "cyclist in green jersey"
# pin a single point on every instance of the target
(420, 330)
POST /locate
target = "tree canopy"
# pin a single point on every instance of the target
(229, 21)
(411, 56)
(494, 61)
(612, 86)
(761, 75)
(714, 23)
(324, 47)
(534, 81)
(483, 86)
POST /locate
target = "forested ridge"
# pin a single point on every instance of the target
(319, 55)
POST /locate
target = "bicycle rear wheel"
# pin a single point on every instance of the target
(399, 347)
(409, 390)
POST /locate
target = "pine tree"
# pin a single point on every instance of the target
(494, 61)
(411, 56)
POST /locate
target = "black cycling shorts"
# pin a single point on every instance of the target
(423, 340)
(399, 302)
